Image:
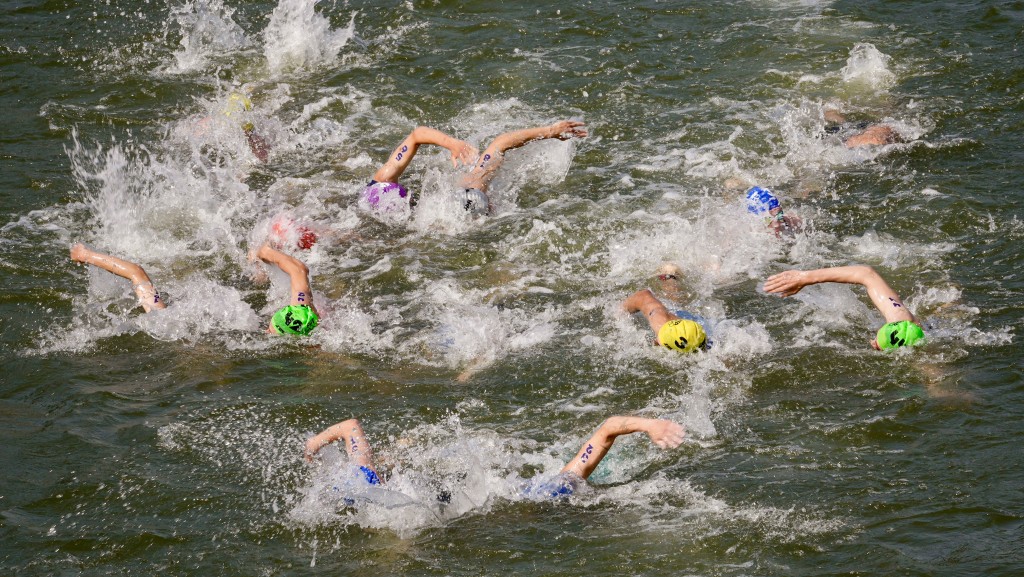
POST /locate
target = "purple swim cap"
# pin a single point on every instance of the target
(761, 200)
(386, 197)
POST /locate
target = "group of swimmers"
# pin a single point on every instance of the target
(673, 329)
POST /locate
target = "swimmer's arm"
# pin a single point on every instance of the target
(562, 130)
(298, 274)
(149, 298)
(404, 152)
(356, 445)
(663, 433)
(885, 299)
(882, 296)
(461, 151)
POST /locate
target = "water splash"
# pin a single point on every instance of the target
(208, 33)
(298, 38)
(867, 68)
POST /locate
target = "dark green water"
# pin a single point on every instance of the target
(172, 443)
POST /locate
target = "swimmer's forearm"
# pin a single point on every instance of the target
(792, 281)
(518, 138)
(461, 150)
(663, 433)
(616, 426)
(564, 129)
(112, 264)
(348, 431)
(881, 294)
(854, 274)
(322, 439)
(427, 135)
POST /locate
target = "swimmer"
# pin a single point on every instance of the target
(901, 328)
(761, 202)
(671, 329)
(356, 445)
(385, 194)
(859, 134)
(663, 433)
(238, 103)
(298, 318)
(142, 285)
(286, 231)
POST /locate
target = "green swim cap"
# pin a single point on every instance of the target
(295, 320)
(899, 334)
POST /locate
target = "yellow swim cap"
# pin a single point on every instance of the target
(237, 102)
(682, 335)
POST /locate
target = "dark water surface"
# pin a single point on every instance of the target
(481, 352)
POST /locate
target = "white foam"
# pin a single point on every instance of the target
(208, 33)
(867, 68)
(298, 38)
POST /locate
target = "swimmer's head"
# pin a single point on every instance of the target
(476, 202)
(899, 334)
(239, 103)
(761, 200)
(669, 271)
(682, 335)
(284, 231)
(294, 320)
(385, 197)
(560, 486)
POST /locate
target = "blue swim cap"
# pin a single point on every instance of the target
(544, 488)
(761, 200)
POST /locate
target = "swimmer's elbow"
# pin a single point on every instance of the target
(867, 275)
(297, 267)
(611, 427)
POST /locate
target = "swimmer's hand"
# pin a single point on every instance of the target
(788, 226)
(787, 283)
(567, 129)
(463, 152)
(665, 434)
(312, 446)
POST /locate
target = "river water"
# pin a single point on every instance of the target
(479, 352)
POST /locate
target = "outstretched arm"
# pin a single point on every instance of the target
(403, 154)
(493, 156)
(663, 433)
(885, 299)
(562, 130)
(149, 298)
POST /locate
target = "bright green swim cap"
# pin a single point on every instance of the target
(899, 334)
(295, 320)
